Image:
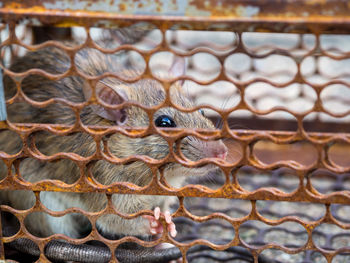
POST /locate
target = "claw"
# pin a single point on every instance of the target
(172, 229)
(156, 227)
(157, 212)
(154, 224)
(167, 217)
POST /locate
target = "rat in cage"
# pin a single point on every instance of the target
(111, 92)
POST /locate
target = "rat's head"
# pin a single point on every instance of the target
(150, 93)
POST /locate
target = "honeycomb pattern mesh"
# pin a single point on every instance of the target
(282, 192)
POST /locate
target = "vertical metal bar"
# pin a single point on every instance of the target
(2, 250)
(2, 118)
(3, 114)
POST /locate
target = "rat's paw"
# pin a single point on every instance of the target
(156, 227)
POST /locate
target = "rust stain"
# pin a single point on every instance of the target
(122, 7)
(280, 16)
(209, 8)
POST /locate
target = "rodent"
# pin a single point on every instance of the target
(75, 89)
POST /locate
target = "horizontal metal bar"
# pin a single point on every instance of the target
(302, 9)
(240, 15)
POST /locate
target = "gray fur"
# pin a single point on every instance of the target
(146, 92)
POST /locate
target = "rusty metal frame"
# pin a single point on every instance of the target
(316, 17)
(299, 16)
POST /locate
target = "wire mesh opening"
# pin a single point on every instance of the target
(99, 118)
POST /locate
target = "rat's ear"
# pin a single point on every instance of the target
(178, 67)
(109, 96)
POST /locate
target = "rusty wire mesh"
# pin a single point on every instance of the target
(281, 102)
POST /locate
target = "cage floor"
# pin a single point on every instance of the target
(254, 233)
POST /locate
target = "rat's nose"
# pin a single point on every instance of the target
(221, 155)
(217, 149)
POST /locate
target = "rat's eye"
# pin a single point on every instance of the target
(165, 121)
(201, 112)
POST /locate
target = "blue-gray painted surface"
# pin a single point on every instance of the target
(3, 114)
(149, 7)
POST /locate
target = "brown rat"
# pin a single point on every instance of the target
(112, 91)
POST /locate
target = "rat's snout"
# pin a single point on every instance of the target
(216, 149)
(196, 149)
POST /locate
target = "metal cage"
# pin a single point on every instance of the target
(273, 76)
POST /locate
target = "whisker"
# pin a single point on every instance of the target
(237, 126)
(220, 121)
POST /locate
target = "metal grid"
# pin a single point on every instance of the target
(293, 156)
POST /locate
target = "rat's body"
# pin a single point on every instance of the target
(111, 91)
